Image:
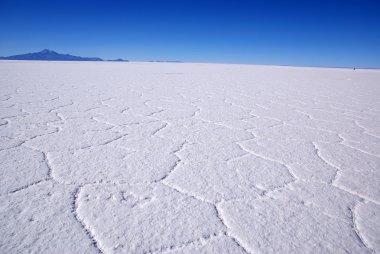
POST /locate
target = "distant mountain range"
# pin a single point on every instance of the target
(50, 55)
(118, 60)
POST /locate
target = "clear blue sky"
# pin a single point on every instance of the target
(308, 33)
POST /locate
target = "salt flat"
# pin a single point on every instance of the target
(101, 157)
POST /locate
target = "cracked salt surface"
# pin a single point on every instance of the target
(123, 158)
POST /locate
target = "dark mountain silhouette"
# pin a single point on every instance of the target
(118, 60)
(50, 55)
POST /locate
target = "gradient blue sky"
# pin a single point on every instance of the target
(306, 33)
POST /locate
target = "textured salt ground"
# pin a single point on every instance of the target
(130, 158)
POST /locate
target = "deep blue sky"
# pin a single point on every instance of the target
(308, 33)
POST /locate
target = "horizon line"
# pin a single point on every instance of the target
(221, 63)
